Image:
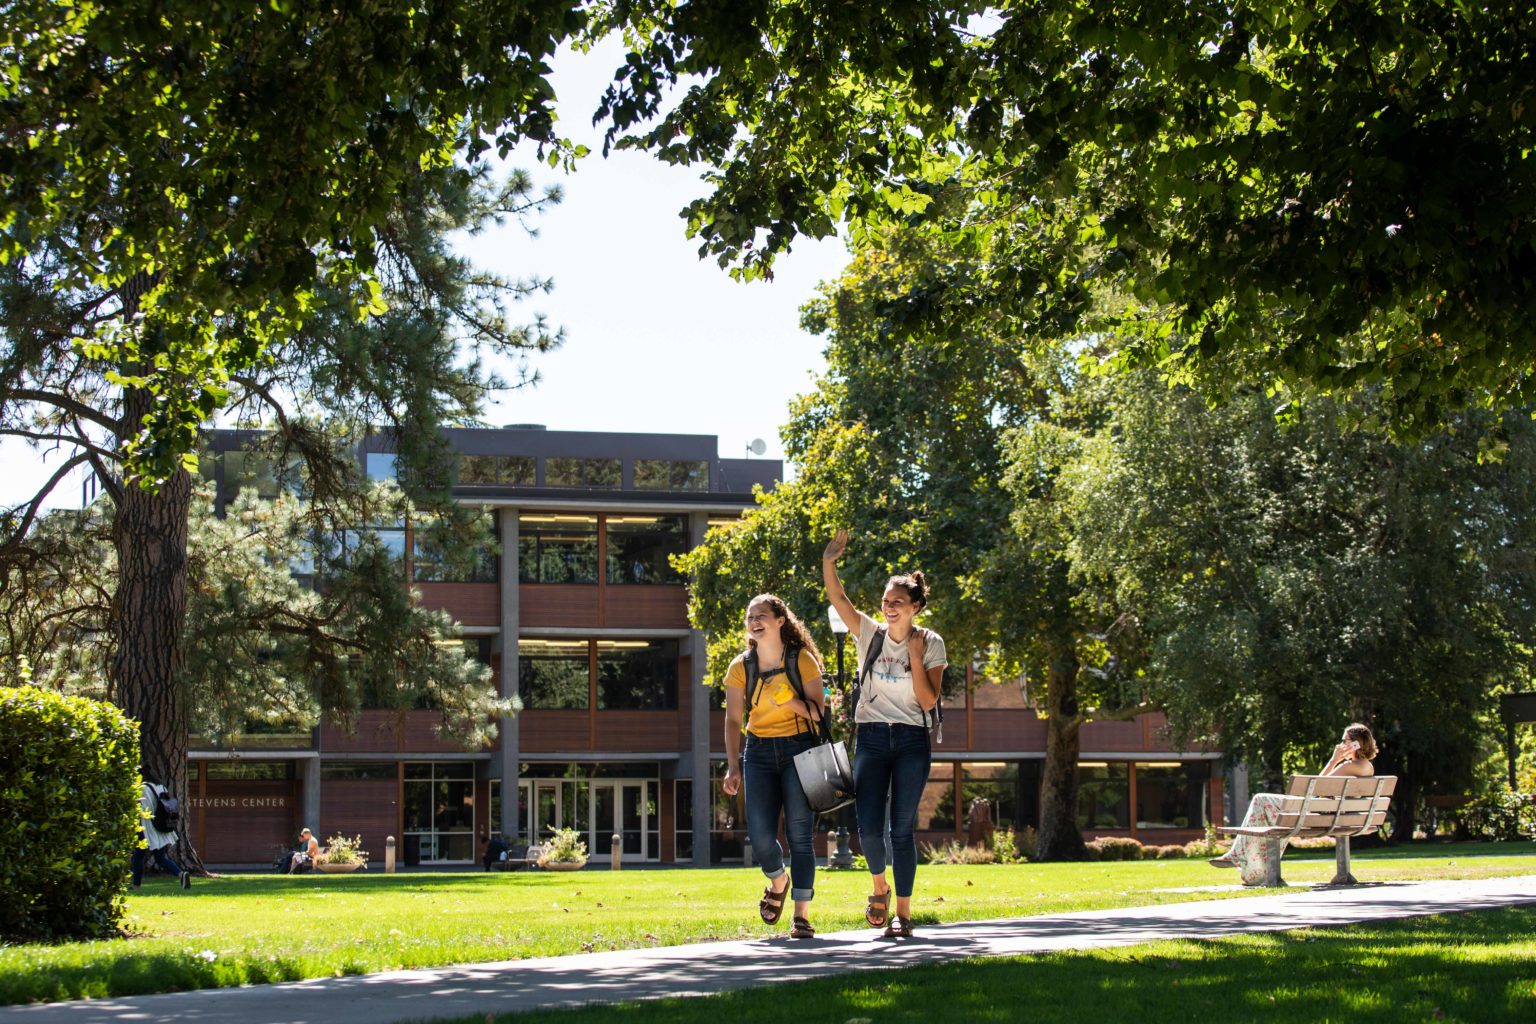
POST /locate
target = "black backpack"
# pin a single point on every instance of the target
(933, 719)
(167, 813)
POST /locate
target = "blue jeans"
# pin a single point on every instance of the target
(771, 785)
(136, 862)
(890, 768)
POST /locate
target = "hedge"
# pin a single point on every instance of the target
(69, 814)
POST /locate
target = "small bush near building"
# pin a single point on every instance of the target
(1114, 848)
(1501, 815)
(69, 801)
(956, 852)
(1005, 846)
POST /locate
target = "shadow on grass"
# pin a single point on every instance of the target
(1473, 967)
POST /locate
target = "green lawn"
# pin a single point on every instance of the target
(1476, 968)
(259, 928)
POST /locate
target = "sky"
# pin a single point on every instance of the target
(656, 340)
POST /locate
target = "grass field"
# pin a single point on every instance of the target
(262, 928)
(1475, 968)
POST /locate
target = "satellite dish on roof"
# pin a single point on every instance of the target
(757, 446)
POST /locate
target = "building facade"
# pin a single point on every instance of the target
(580, 613)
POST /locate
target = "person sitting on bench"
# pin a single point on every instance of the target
(1352, 757)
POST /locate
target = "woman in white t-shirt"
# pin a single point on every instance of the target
(891, 756)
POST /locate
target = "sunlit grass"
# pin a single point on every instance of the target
(260, 928)
(1475, 968)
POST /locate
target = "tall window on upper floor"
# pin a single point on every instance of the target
(380, 465)
(553, 674)
(259, 471)
(556, 548)
(567, 472)
(639, 548)
(441, 555)
(497, 470)
(671, 475)
(345, 547)
(637, 675)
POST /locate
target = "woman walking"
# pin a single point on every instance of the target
(901, 673)
(776, 685)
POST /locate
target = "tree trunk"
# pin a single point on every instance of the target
(149, 609)
(1060, 838)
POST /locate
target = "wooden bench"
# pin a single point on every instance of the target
(1318, 805)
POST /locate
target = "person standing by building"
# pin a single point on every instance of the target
(776, 686)
(159, 816)
(901, 675)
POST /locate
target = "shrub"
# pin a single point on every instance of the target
(1171, 852)
(1501, 815)
(956, 852)
(69, 800)
(1028, 840)
(341, 850)
(565, 847)
(1114, 848)
(1005, 847)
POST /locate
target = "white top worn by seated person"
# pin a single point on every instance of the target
(887, 695)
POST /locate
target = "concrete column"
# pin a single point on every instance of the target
(1237, 794)
(309, 776)
(509, 753)
(698, 522)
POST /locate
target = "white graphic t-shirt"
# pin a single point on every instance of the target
(887, 695)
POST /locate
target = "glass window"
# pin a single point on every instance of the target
(1103, 795)
(997, 784)
(682, 802)
(565, 472)
(439, 557)
(671, 475)
(347, 770)
(249, 771)
(557, 549)
(1171, 795)
(637, 675)
(440, 810)
(936, 809)
(639, 548)
(497, 470)
(727, 819)
(553, 674)
(380, 465)
(258, 470)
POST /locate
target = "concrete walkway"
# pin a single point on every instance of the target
(703, 968)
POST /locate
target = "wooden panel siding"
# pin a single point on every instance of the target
(472, 604)
(389, 732)
(548, 732)
(248, 821)
(1007, 729)
(637, 730)
(646, 607)
(1108, 736)
(558, 604)
(360, 807)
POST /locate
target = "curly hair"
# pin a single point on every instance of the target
(793, 632)
(915, 586)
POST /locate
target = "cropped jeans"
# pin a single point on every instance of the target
(771, 785)
(890, 769)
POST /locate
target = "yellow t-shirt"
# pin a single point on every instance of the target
(768, 713)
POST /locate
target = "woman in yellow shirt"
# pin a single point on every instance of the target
(778, 719)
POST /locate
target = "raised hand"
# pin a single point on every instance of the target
(836, 546)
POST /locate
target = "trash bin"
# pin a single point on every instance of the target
(412, 856)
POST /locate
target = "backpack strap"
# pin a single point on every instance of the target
(871, 655)
(819, 726)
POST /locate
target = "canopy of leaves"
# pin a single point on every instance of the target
(1334, 193)
(1289, 579)
(187, 174)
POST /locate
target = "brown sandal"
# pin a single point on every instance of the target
(771, 906)
(875, 911)
(802, 929)
(899, 928)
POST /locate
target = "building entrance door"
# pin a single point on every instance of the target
(620, 806)
(548, 810)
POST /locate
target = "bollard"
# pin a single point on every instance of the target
(389, 855)
(616, 851)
